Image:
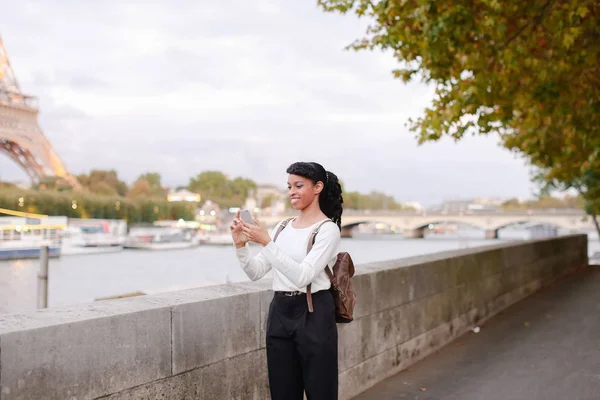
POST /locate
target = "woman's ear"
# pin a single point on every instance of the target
(318, 187)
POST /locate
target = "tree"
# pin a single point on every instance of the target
(153, 178)
(104, 189)
(528, 70)
(512, 204)
(98, 181)
(372, 201)
(241, 187)
(209, 184)
(148, 184)
(267, 201)
(588, 187)
(141, 188)
(215, 186)
(52, 183)
(7, 185)
(545, 201)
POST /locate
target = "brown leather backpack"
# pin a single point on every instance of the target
(341, 285)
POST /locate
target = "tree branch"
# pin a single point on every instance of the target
(537, 20)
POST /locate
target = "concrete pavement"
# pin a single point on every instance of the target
(545, 347)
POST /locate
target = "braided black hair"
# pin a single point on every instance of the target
(330, 198)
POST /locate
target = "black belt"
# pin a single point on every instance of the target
(289, 294)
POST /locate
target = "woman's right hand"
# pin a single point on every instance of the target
(237, 233)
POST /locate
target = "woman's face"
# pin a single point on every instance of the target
(302, 191)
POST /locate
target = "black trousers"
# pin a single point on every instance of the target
(302, 348)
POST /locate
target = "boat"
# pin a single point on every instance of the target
(160, 238)
(217, 239)
(22, 235)
(93, 232)
(82, 240)
(21, 249)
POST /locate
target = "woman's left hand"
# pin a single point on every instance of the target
(256, 232)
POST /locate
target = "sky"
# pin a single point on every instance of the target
(246, 87)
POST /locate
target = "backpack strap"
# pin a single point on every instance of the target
(281, 226)
(311, 242)
(313, 235)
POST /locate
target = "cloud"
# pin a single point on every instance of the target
(244, 87)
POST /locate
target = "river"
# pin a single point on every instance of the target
(84, 278)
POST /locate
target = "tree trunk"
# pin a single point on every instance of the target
(589, 209)
(595, 219)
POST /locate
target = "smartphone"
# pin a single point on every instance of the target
(246, 216)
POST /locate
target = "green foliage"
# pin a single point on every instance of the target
(147, 185)
(153, 178)
(53, 183)
(215, 186)
(588, 186)
(371, 201)
(146, 200)
(545, 201)
(528, 70)
(84, 205)
(103, 183)
(267, 201)
(7, 185)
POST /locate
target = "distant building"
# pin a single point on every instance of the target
(209, 213)
(468, 205)
(452, 206)
(490, 202)
(183, 195)
(414, 205)
(268, 198)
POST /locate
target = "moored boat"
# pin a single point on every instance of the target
(159, 238)
(22, 235)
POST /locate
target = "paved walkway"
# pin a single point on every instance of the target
(546, 347)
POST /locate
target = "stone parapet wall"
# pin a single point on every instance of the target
(208, 343)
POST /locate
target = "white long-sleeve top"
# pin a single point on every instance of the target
(293, 268)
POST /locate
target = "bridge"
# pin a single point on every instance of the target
(20, 135)
(413, 224)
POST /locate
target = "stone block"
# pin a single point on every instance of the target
(195, 295)
(97, 350)
(372, 334)
(241, 377)
(186, 386)
(430, 312)
(265, 299)
(429, 278)
(488, 288)
(366, 296)
(208, 331)
(467, 269)
(391, 288)
(375, 369)
(491, 262)
(513, 278)
(518, 254)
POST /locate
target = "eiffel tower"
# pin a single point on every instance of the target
(20, 135)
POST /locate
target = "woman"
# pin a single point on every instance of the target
(301, 345)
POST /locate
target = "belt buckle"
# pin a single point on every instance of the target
(289, 294)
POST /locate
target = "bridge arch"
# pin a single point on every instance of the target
(355, 224)
(533, 222)
(444, 221)
(347, 229)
